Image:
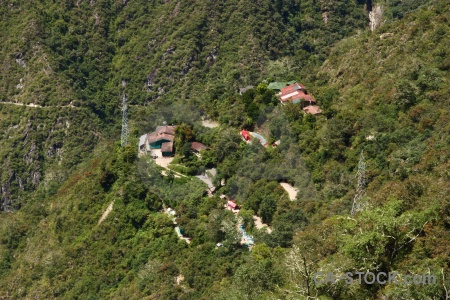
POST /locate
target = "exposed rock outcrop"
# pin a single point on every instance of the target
(5, 204)
(375, 17)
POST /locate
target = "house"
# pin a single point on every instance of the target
(197, 147)
(231, 204)
(245, 135)
(162, 138)
(295, 93)
(312, 109)
(167, 149)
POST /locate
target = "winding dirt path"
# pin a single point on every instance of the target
(210, 124)
(292, 191)
(37, 105)
(106, 212)
(259, 224)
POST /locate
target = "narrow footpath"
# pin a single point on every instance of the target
(106, 212)
(32, 105)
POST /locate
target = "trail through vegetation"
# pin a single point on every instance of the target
(106, 212)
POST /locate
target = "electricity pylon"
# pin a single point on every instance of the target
(358, 204)
(125, 130)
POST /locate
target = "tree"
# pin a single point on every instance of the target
(253, 111)
(405, 94)
(246, 216)
(183, 135)
(292, 111)
(170, 176)
(301, 271)
(227, 144)
(260, 273)
(267, 209)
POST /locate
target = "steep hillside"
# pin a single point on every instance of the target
(40, 146)
(89, 47)
(86, 53)
(88, 219)
(386, 92)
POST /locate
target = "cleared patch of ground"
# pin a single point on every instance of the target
(179, 279)
(210, 124)
(292, 191)
(160, 160)
(259, 224)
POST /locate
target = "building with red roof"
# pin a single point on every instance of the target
(295, 93)
(245, 134)
(231, 204)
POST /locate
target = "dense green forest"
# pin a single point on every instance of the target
(64, 66)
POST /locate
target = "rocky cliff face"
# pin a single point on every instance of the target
(375, 17)
(5, 202)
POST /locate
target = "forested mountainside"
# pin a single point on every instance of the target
(84, 217)
(78, 53)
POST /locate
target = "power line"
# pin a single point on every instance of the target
(358, 204)
(125, 130)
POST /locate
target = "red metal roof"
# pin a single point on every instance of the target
(299, 95)
(302, 95)
(231, 204)
(245, 134)
(295, 92)
(291, 88)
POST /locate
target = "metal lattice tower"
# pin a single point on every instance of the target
(358, 204)
(125, 130)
